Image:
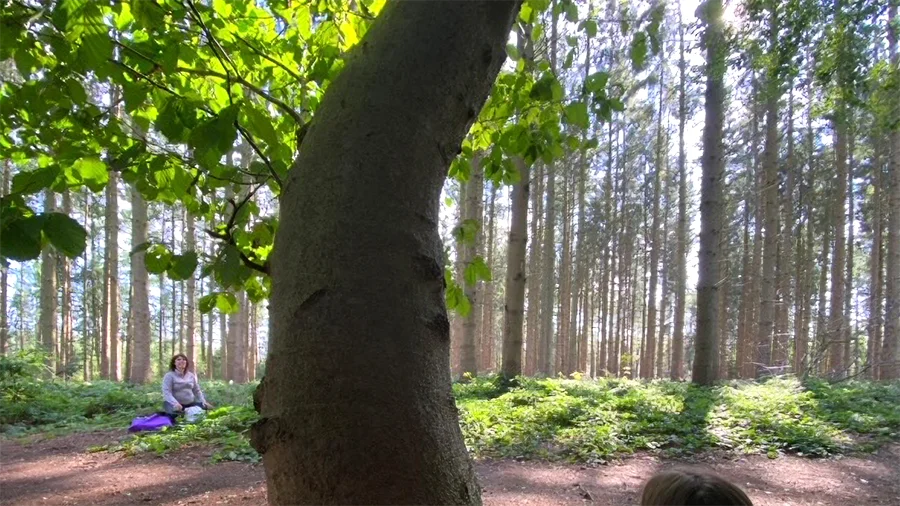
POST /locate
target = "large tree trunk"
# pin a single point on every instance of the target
(763, 355)
(890, 360)
(681, 236)
(47, 321)
(357, 290)
(713, 165)
(140, 299)
(515, 275)
(4, 322)
(839, 219)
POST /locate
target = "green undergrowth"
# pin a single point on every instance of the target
(580, 421)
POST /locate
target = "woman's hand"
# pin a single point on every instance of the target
(178, 406)
(207, 405)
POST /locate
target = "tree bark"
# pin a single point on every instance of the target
(472, 211)
(713, 165)
(140, 300)
(890, 359)
(515, 275)
(4, 296)
(876, 284)
(47, 321)
(835, 333)
(488, 336)
(190, 291)
(367, 183)
(681, 230)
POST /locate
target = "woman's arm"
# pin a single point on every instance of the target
(198, 394)
(167, 390)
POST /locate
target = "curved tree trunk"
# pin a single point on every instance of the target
(359, 330)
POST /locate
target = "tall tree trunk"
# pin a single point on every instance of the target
(488, 337)
(647, 365)
(835, 333)
(781, 350)
(681, 230)
(253, 354)
(876, 280)
(713, 165)
(4, 322)
(47, 321)
(190, 290)
(390, 331)
(109, 355)
(764, 338)
(565, 282)
(65, 337)
(847, 333)
(473, 204)
(515, 275)
(140, 300)
(534, 280)
(890, 360)
(547, 355)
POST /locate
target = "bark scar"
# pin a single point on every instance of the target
(312, 299)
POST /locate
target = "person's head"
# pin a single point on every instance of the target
(180, 362)
(692, 488)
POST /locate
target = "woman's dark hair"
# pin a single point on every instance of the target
(692, 488)
(182, 355)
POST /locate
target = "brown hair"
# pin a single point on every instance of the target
(692, 488)
(182, 355)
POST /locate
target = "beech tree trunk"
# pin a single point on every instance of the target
(47, 320)
(358, 290)
(515, 275)
(713, 165)
(140, 299)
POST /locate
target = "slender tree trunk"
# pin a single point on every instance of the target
(534, 281)
(47, 322)
(781, 351)
(565, 282)
(65, 337)
(370, 171)
(890, 360)
(515, 275)
(472, 211)
(4, 322)
(487, 340)
(706, 342)
(253, 355)
(847, 333)
(822, 314)
(140, 301)
(190, 290)
(681, 232)
(876, 285)
(835, 334)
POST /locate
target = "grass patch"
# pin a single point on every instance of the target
(582, 421)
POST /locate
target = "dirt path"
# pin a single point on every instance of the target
(62, 472)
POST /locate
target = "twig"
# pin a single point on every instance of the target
(249, 138)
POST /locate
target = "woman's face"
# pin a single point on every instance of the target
(180, 363)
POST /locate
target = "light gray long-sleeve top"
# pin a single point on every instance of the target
(181, 388)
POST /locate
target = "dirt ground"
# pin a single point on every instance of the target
(62, 472)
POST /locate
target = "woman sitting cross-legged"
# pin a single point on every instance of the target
(180, 387)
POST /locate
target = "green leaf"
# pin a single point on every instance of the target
(91, 172)
(590, 27)
(513, 52)
(22, 238)
(227, 303)
(638, 51)
(477, 270)
(215, 137)
(596, 82)
(207, 303)
(261, 125)
(571, 12)
(66, 234)
(576, 114)
(230, 270)
(157, 259)
(34, 181)
(183, 266)
(467, 231)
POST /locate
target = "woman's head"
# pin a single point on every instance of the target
(692, 488)
(180, 362)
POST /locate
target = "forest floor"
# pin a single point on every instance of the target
(63, 471)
